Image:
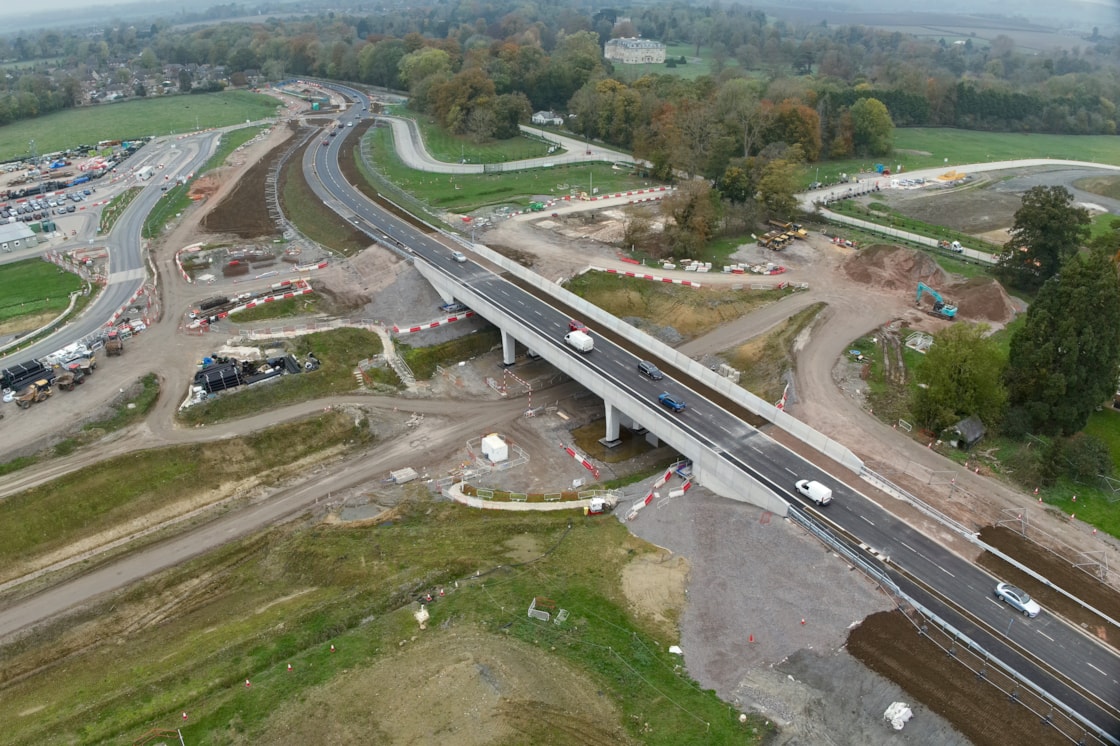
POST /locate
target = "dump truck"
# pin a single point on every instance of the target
(67, 381)
(34, 393)
(580, 340)
(114, 345)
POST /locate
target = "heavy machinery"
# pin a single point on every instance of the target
(941, 308)
(34, 393)
(114, 346)
(66, 381)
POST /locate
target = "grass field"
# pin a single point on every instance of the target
(423, 360)
(882, 214)
(165, 115)
(280, 309)
(319, 618)
(464, 193)
(115, 208)
(449, 148)
(929, 147)
(34, 288)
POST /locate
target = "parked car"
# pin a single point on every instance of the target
(648, 369)
(1017, 599)
(671, 402)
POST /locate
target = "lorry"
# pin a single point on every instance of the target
(145, 173)
(954, 246)
(815, 491)
(580, 340)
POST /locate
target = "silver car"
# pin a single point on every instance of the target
(1017, 599)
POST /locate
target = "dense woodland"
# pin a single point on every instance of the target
(552, 58)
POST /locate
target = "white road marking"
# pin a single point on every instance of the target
(942, 569)
(912, 549)
(791, 471)
(756, 449)
(1090, 665)
(866, 520)
(721, 427)
(1048, 637)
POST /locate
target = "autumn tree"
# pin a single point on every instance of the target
(779, 182)
(1047, 231)
(693, 212)
(961, 375)
(1065, 359)
(872, 128)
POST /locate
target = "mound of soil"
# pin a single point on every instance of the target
(893, 268)
(982, 299)
(244, 210)
(204, 187)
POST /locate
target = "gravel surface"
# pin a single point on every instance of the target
(755, 574)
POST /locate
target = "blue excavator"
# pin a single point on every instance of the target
(941, 309)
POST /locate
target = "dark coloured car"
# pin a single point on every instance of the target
(671, 402)
(648, 369)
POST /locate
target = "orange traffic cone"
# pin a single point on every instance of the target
(289, 668)
(247, 684)
(184, 716)
(802, 621)
(332, 647)
(751, 639)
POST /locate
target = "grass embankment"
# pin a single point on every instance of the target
(308, 213)
(691, 312)
(279, 309)
(163, 115)
(423, 360)
(339, 351)
(115, 208)
(32, 292)
(466, 192)
(132, 408)
(764, 361)
(335, 602)
(113, 493)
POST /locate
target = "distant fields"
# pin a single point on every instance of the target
(929, 147)
(164, 115)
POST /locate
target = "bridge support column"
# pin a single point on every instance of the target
(610, 440)
(509, 348)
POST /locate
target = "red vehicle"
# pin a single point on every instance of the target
(576, 326)
(326, 142)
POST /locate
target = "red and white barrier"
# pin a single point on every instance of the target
(653, 278)
(583, 460)
(397, 329)
(310, 267)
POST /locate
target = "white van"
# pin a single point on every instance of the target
(815, 491)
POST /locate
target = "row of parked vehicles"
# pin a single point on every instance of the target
(35, 381)
(41, 207)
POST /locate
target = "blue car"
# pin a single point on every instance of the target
(674, 404)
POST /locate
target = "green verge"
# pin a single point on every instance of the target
(32, 287)
(466, 192)
(764, 361)
(163, 115)
(308, 213)
(127, 488)
(339, 351)
(335, 602)
(883, 215)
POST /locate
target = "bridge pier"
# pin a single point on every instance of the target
(610, 439)
(509, 349)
